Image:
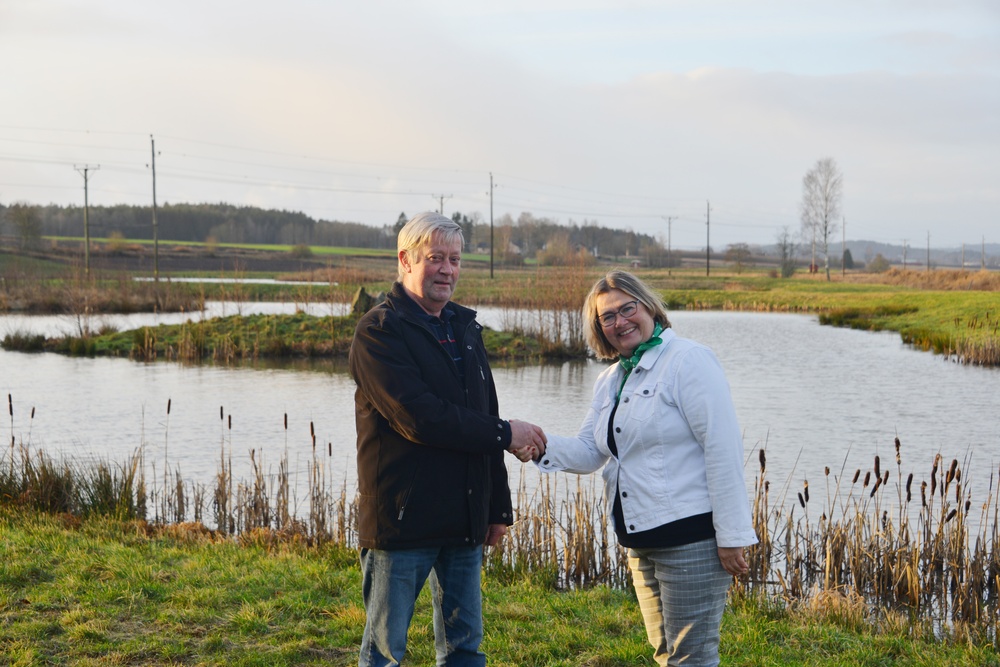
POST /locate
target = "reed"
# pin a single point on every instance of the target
(913, 550)
(72, 291)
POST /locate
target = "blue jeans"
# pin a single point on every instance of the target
(391, 582)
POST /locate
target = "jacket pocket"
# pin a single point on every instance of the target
(403, 499)
(644, 401)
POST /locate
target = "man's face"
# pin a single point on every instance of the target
(431, 272)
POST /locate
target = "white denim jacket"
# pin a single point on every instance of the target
(680, 449)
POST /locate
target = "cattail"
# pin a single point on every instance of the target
(10, 405)
(898, 459)
(801, 500)
(32, 412)
(951, 515)
(763, 460)
(868, 477)
(878, 469)
(221, 415)
(806, 489)
(968, 504)
(909, 482)
(878, 483)
(312, 430)
(286, 421)
(329, 449)
(168, 406)
(826, 471)
(923, 494)
(230, 420)
(885, 477)
(857, 473)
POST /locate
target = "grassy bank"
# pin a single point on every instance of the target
(238, 338)
(913, 553)
(105, 592)
(950, 312)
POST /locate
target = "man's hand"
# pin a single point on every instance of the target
(494, 533)
(527, 441)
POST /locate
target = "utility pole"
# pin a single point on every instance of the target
(928, 251)
(963, 255)
(85, 169)
(491, 225)
(904, 254)
(669, 220)
(982, 262)
(708, 246)
(156, 238)
(441, 199)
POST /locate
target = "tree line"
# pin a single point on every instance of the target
(512, 239)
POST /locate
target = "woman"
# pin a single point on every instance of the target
(663, 425)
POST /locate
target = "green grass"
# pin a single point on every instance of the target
(941, 321)
(103, 592)
(250, 337)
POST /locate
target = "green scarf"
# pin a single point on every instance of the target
(628, 363)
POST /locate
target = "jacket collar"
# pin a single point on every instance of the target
(652, 354)
(408, 309)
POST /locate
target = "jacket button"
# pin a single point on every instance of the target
(470, 492)
(618, 429)
(499, 438)
(545, 462)
(468, 347)
(645, 391)
(626, 400)
(631, 526)
(499, 425)
(638, 370)
(624, 494)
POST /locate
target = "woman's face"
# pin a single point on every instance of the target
(624, 333)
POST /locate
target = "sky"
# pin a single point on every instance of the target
(685, 120)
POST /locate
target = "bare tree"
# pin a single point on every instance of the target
(786, 253)
(27, 223)
(822, 190)
(738, 254)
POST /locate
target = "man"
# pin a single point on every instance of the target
(432, 484)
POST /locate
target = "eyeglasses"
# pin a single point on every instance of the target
(626, 311)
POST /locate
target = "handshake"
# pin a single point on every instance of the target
(527, 441)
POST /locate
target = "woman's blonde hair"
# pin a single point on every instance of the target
(635, 288)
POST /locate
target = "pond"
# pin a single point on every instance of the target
(812, 396)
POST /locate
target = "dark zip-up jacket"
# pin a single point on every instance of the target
(430, 444)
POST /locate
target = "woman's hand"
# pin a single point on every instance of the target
(733, 561)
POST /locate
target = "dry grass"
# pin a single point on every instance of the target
(938, 279)
(888, 547)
